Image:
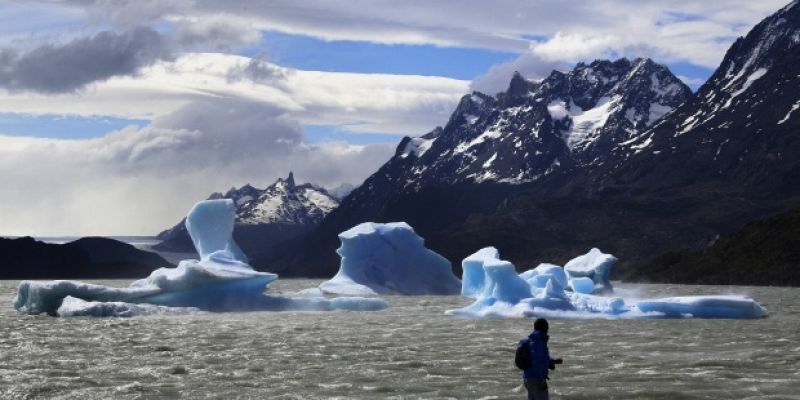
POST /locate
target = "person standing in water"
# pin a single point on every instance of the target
(535, 376)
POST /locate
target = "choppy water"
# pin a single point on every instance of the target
(410, 350)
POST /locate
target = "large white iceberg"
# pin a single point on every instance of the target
(554, 292)
(389, 259)
(220, 281)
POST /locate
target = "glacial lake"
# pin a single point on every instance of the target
(410, 350)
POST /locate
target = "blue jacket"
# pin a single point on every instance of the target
(540, 356)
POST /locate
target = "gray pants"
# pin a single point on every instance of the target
(537, 390)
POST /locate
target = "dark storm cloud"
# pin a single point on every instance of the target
(69, 67)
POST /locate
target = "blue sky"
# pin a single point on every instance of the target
(304, 52)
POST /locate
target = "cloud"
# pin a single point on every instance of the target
(692, 82)
(72, 66)
(140, 180)
(571, 47)
(384, 103)
(529, 64)
(689, 31)
(66, 68)
(257, 70)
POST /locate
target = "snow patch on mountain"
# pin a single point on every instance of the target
(795, 106)
(586, 125)
(417, 146)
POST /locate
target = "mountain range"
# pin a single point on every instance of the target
(613, 154)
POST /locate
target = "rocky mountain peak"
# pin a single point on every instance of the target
(568, 120)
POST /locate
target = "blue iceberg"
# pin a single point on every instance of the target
(473, 275)
(571, 293)
(221, 280)
(389, 259)
(594, 265)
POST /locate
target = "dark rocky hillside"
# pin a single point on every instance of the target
(86, 258)
(764, 252)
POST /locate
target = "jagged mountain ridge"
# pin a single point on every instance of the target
(536, 127)
(282, 202)
(515, 139)
(285, 207)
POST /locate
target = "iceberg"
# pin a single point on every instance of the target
(389, 259)
(567, 293)
(543, 272)
(221, 280)
(582, 285)
(704, 307)
(74, 307)
(473, 275)
(594, 265)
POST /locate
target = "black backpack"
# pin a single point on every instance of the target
(523, 357)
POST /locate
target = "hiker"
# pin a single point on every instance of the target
(538, 362)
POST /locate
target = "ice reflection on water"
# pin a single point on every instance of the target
(411, 350)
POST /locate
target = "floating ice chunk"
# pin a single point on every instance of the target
(74, 307)
(389, 258)
(595, 265)
(553, 289)
(540, 281)
(37, 297)
(210, 225)
(192, 273)
(611, 306)
(220, 281)
(544, 273)
(503, 283)
(343, 285)
(704, 307)
(473, 276)
(558, 273)
(582, 285)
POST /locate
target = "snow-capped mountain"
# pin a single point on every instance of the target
(282, 202)
(617, 155)
(287, 207)
(572, 119)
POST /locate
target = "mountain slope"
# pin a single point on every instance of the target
(764, 252)
(741, 125)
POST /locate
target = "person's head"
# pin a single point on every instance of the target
(541, 325)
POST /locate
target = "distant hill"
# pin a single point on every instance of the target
(764, 252)
(86, 258)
